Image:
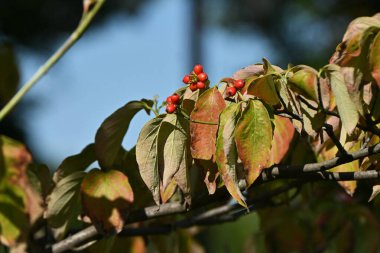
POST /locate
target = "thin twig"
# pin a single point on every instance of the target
(330, 132)
(83, 25)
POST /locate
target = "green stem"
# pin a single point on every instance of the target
(83, 25)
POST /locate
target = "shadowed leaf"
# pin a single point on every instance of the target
(64, 202)
(282, 138)
(106, 198)
(253, 136)
(147, 156)
(203, 136)
(175, 136)
(226, 153)
(110, 135)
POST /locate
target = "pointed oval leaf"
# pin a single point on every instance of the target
(106, 198)
(226, 154)
(147, 156)
(304, 82)
(110, 134)
(282, 137)
(63, 202)
(174, 137)
(253, 136)
(203, 136)
(264, 88)
(346, 108)
(374, 59)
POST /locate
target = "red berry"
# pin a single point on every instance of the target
(239, 84)
(170, 108)
(198, 69)
(169, 100)
(201, 85)
(186, 79)
(175, 98)
(193, 86)
(231, 91)
(202, 77)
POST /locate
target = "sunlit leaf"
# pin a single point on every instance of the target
(282, 138)
(110, 134)
(226, 153)
(264, 88)
(169, 191)
(346, 108)
(106, 198)
(304, 82)
(203, 136)
(374, 59)
(352, 79)
(253, 136)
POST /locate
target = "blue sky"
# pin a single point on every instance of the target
(125, 58)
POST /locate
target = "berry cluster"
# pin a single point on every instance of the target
(236, 85)
(197, 79)
(172, 102)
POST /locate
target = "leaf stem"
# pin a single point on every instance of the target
(75, 36)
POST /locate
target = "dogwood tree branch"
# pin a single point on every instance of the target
(289, 171)
(231, 210)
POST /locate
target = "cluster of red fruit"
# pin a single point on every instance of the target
(236, 85)
(197, 79)
(172, 102)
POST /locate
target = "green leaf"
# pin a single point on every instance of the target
(175, 137)
(304, 82)
(353, 79)
(110, 135)
(147, 156)
(75, 163)
(20, 203)
(253, 136)
(203, 136)
(226, 153)
(346, 108)
(264, 88)
(374, 59)
(106, 198)
(282, 137)
(268, 68)
(64, 202)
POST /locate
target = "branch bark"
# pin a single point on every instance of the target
(305, 173)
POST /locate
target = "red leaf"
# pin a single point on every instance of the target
(203, 136)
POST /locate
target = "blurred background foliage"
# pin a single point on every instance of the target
(297, 32)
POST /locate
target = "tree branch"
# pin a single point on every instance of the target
(289, 171)
(231, 210)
